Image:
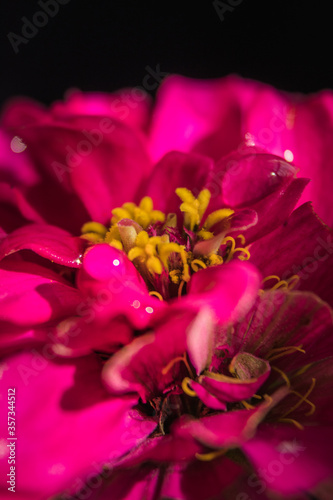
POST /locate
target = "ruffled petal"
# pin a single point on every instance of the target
(229, 290)
(75, 428)
(34, 295)
(176, 170)
(293, 460)
(198, 115)
(47, 241)
(303, 246)
(131, 106)
(108, 276)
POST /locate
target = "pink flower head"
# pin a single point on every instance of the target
(165, 311)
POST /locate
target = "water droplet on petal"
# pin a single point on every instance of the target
(249, 178)
(17, 146)
(116, 262)
(136, 304)
(149, 310)
(288, 155)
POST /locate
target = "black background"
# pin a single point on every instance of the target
(108, 44)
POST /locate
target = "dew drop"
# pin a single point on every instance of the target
(17, 146)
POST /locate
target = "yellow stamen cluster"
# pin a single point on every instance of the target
(288, 284)
(156, 254)
(144, 214)
(194, 209)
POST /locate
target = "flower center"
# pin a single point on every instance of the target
(167, 253)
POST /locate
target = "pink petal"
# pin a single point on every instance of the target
(200, 338)
(131, 106)
(128, 371)
(302, 246)
(205, 116)
(229, 290)
(228, 429)
(111, 279)
(50, 242)
(228, 389)
(206, 397)
(176, 170)
(293, 460)
(32, 294)
(75, 428)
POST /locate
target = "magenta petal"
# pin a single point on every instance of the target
(198, 115)
(227, 429)
(229, 290)
(34, 295)
(50, 242)
(11, 217)
(303, 458)
(131, 106)
(228, 389)
(77, 336)
(206, 397)
(176, 170)
(274, 210)
(111, 280)
(302, 246)
(128, 371)
(74, 428)
(200, 339)
(250, 175)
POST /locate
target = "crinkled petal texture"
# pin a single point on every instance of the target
(80, 164)
(67, 425)
(50, 242)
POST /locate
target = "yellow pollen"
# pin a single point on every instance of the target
(183, 358)
(93, 232)
(232, 249)
(303, 369)
(208, 457)
(193, 208)
(280, 284)
(215, 260)
(289, 284)
(217, 216)
(279, 352)
(247, 405)
(283, 375)
(292, 421)
(187, 389)
(196, 264)
(242, 239)
(144, 214)
(303, 399)
(156, 294)
(205, 235)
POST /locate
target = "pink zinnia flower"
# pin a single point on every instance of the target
(163, 317)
